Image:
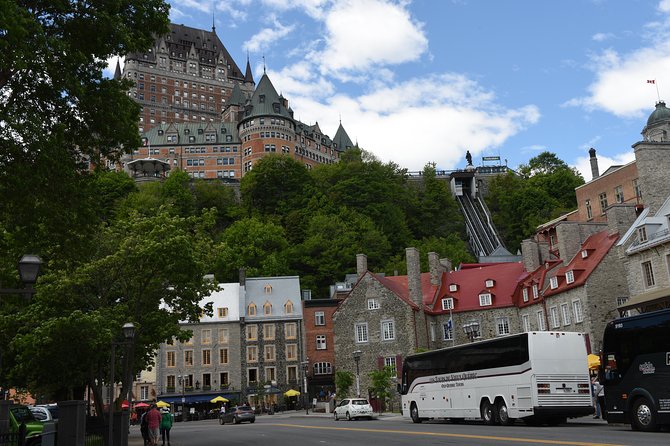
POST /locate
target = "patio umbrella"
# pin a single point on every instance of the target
(291, 392)
(162, 404)
(124, 405)
(219, 399)
(594, 361)
(141, 405)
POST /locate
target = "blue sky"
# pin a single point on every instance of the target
(425, 80)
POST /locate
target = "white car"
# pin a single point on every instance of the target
(351, 408)
(45, 412)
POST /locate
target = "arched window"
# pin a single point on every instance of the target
(288, 307)
(267, 308)
(267, 289)
(251, 310)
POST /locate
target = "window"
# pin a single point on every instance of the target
(144, 392)
(252, 353)
(589, 211)
(321, 342)
(252, 332)
(648, 274)
(389, 361)
(267, 289)
(570, 276)
(432, 331)
(540, 321)
(319, 318)
(642, 234)
(555, 321)
(270, 353)
(553, 283)
(268, 331)
(252, 375)
(224, 378)
(502, 326)
(292, 374)
(448, 303)
(223, 356)
(267, 308)
(361, 332)
(536, 292)
(223, 335)
(171, 381)
(453, 288)
(526, 322)
(288, 307)
(206, 337)
(489, 283)
(223, 312)
(636, 187)
(577, 310)
(618, 194)
(251, 309)
(603, 201)
(188, 357)
(322, 368)
(447, 331)
(388, 331)
(291, 352)
(290, 330)
(373, 304)
(207, 357)
(485, 300)
(565, 312)
(170, 360)
(525, 294)
(621, 301)
(585, 253)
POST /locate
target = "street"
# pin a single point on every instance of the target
(293, 428)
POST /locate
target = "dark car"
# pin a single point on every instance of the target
(237, 415)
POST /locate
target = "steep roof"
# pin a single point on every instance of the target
(398, 285)
(191, 133)
(341, 140)
(537, 277)
(266, 102)
(237, 97)
(248, 76)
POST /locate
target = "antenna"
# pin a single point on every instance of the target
(263, 63)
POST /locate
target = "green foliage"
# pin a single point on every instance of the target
(451, 247)
(382, 384)
(343, 382)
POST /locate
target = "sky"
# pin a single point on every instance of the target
(423, 81)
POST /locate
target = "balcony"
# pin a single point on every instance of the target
(170, 389)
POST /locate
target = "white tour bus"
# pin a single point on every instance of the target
(540, 377)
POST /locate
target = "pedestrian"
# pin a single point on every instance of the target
(153, 417)
(166, 425)
(144, 428)
(601, 401)
(595, 389)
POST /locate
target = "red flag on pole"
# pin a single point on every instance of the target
(651, 81)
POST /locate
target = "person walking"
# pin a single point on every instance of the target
(166, 425)
(153, 423)
(601, 400)
(596, 388)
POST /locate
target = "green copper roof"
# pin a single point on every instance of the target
(191, 133)
(342, 140)
(661, 114)
(266, 102)
(237, 97)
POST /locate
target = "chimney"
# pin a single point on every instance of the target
(243, 277)
(594, 163)
(436, 268)
(446, 264)
(414, 276)
(361, 264)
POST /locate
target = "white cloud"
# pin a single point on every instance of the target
(583, 163)
(265, 37)
(601, 37)
(203, 5)
(389, 34)
(313, 8)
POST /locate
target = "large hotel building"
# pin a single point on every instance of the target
(201, 114)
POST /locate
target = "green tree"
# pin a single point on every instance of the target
(451, 247)
(216, 195)
(344, 379)
(382, 385)
(146, 270)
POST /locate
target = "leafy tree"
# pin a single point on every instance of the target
(176, 190)
(216, 195)
(343, 382)
(146, 270)
(110, 188)
(382, 384)
(544, 163)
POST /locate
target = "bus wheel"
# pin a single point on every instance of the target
(414, 413)
(503, 415)
(643, 416)
(488, 413)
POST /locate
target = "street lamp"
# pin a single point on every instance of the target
(128, 335)
(29, 269)
(305, 368)
(471, 330)
(357, 359)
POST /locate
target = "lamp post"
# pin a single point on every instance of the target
(471, 330)
(128, 335)
(305, 368)
(357, 359)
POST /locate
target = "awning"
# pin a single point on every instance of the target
(647, 298)
(197, 398)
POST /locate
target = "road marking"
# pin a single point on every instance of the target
(440, 434)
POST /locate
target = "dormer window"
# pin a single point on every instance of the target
(187, 131)
(288, 307)
(448, 303)
(489, 283)
(536, 292)
(261, 98)
(160, 132)
(267, 308)
(251, 310)
(553, 283)
(453, 288)
(524, 292)
(642, 234)
(585, 253)
(485, 300)
(570, 276)
(267, 289)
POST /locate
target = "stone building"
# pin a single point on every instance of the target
(320, 345)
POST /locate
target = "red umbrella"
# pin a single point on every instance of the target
(124, 405)
(141, 405)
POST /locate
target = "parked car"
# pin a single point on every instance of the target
(21, 415)
(237, 415)
(45, 412)
(352, 408)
